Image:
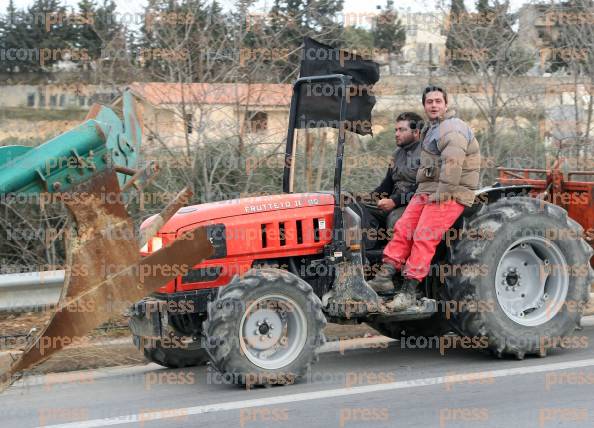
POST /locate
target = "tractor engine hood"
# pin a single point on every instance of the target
(214, 211)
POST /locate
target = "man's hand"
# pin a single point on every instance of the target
(386, 204)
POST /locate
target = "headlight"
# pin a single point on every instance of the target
(153, 244)
(156, 243)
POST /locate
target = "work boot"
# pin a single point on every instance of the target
(406, 298)
(383, 281)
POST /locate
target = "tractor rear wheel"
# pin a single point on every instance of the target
(523, 289)
(264, 328)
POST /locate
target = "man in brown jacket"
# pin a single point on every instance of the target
(447, 180)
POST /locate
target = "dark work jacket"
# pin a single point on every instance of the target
(400, 182)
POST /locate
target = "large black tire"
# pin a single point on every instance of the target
(175, 357)
(479, 312)
(223, 332)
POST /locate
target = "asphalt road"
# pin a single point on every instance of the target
(376, 385)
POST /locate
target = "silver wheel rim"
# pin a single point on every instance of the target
(531, 281)
(272, 331)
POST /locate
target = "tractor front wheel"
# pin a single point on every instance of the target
(264, 328)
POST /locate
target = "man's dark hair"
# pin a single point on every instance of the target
(415, 122)
(433, 88)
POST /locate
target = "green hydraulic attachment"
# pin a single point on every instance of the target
(80, 168)
(103, 141)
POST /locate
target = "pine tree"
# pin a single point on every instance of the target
(109, 32)
(20, 54)
(485, 41)
(482, 6)
(52, 41)
(573, 47)
(215, 14)
(388, 32)
(455, 33)
(357, 38)
(4, 28)
(207, 40)
(292, 20)
(86, 34)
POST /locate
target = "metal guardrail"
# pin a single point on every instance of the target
(30, 291)
(35, 291)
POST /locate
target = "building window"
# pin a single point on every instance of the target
(62, 100)
(81, 100)
(257, 121)
(53, 100)
(411, 31)
(41, 100)
(189, 123)
(31, 100)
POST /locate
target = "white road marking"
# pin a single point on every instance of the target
(341, 345)
(332, 346)
(318, 395)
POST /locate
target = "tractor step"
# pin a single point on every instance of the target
(425, 308)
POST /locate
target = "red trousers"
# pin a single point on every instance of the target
(418, 233)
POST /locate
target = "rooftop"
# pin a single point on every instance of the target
(261, 94)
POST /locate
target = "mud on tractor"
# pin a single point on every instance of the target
(267, 273)
(513, 274)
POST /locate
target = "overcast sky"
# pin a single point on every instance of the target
(135, 6)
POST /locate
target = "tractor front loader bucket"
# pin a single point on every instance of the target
(105, 272)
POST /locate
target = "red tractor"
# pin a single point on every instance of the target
(284, 265)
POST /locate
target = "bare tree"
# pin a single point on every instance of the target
(486, 59)
(571, 51)
(254, 48)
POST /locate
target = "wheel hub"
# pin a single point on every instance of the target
(263, 329)
(273, 330)
(528, 290)
(512, 278)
